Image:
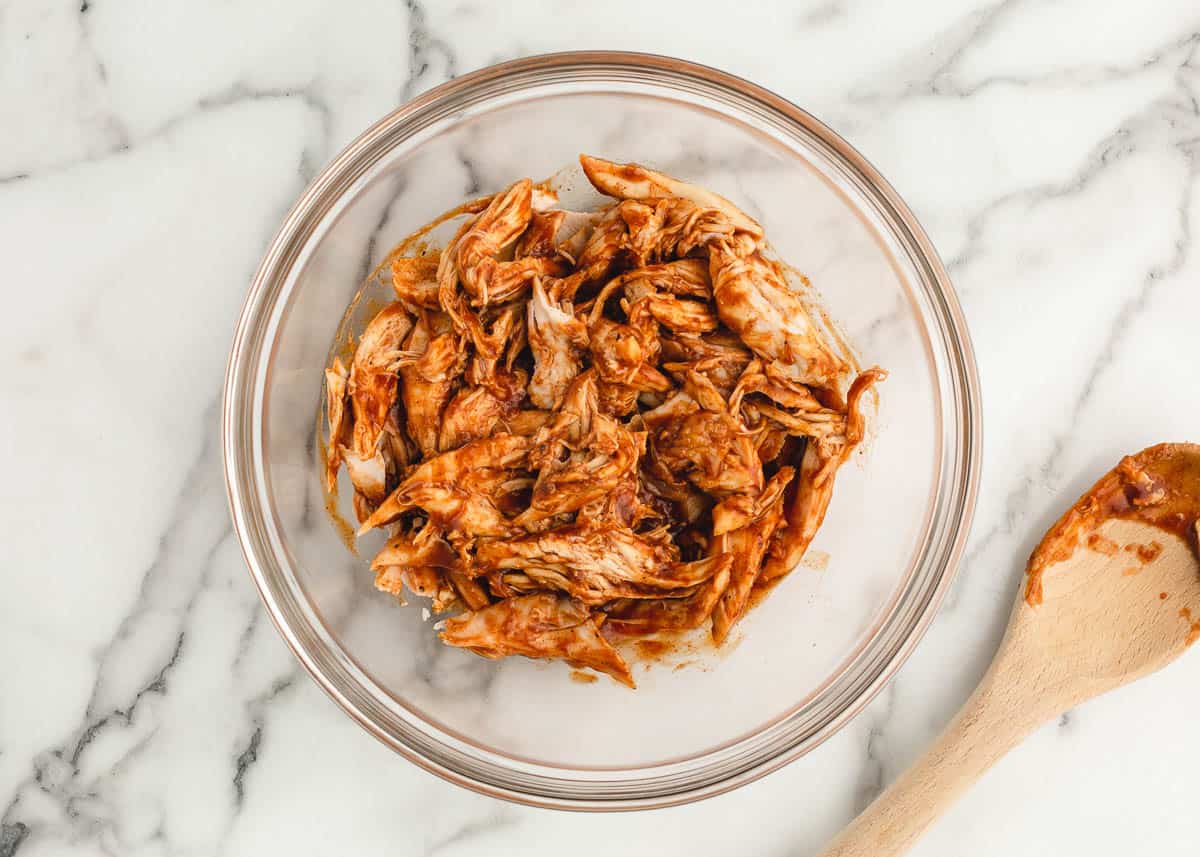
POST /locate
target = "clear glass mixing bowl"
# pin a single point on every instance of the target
(825, 641)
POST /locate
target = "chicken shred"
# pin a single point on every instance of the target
(755, 302)
(414, 280)
(428, 372)
(557, 339)
(633, 181)
(579, 428)
(538, 625)
(596, 563)
(486, 279)
(336, 381)
(372, 389)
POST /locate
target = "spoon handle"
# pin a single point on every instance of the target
(994, 720)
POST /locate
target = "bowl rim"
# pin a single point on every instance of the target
(238, 415)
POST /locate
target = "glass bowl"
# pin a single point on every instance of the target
(825, 641)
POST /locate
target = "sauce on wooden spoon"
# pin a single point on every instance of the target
(1112, 595)
(1159, 486)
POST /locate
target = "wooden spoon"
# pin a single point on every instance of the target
(1111, 594)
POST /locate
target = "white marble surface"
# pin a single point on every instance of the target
(147, 152)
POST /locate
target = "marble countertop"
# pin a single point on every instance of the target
(148, 152)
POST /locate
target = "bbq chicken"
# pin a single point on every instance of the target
(578, 428)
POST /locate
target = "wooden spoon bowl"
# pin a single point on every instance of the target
(1112, 594)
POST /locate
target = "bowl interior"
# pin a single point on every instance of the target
(794, 649)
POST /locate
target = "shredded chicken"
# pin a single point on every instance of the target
(694, 435)
(419, 562)
(460, 490)
(414, 280)
(747, 545)
(487, 280)
(336, 381)
(557, 338)
(633, 181)
(755, 302)
(372, 388)
(428, 372)
(579, 428)
(539, 625)
(596, 563)
(582, 457)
